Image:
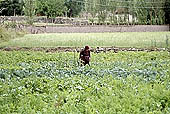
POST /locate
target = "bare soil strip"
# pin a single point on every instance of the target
(78, 49)
(97, 29)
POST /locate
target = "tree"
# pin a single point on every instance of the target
(92, 9)
(55, 8)
(11, 7)
(50, 8)
(74, 7)
(149, 12)
(29, 10)
(41, 7)
(167, 11)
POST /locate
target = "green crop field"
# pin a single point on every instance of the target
(128, 39)
(52, 83)
(40, 67)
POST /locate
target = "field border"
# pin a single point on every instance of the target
(78, 49)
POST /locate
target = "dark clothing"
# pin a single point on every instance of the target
(85, 57)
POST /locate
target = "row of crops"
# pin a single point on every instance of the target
(124, 82)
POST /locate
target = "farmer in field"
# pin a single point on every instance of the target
(85, 56)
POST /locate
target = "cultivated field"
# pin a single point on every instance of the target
(124, 82)
(124, 39)
(40, 67)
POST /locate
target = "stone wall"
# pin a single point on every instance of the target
(57, 20)
(76, 25)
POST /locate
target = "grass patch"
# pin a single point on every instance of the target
(126, 39)
(4, 35)
(10, 34)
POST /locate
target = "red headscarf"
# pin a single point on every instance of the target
(86, 47)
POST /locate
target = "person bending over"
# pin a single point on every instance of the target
(85, 56)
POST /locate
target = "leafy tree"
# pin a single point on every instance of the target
(55, 8)
(92, 9)
(11, 7)
(51, 8)
(150, 12)
(41, 7)
(74, 7)
(29, 10)
(167, 11)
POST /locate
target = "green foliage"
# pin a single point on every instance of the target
(167, 10)
(7, 35)
(91, 8)
(152, 14)
(4, 34)
(11, 7)
(126, 82)
(41, 7)
(74, 7)
(142, 12)
(51, 8)
(102, 11)
(29, 10)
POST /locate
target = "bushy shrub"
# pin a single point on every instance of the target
(6, 35)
